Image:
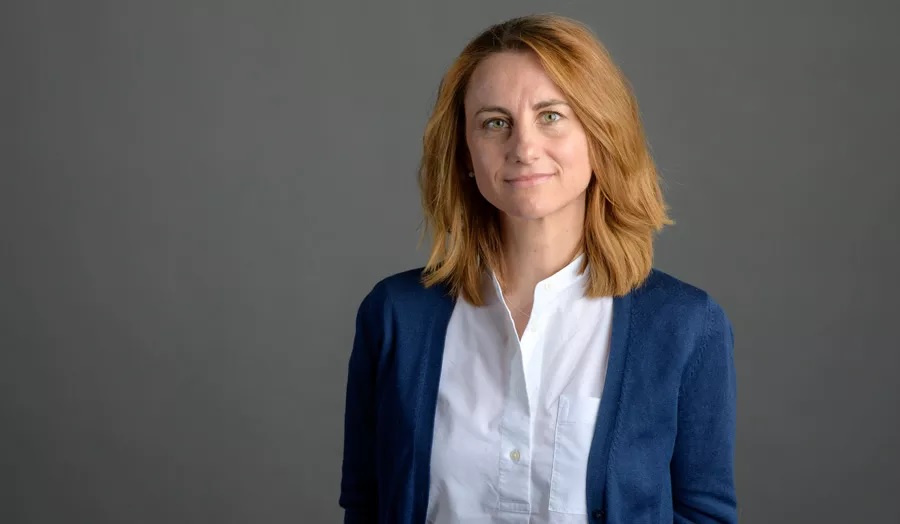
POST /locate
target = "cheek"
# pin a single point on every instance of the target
(486, 156)
(572, 153)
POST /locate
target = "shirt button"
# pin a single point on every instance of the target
(515, 455)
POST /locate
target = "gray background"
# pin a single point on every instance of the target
(196, 196)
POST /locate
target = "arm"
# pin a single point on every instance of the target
(703, 459)
(359, 487)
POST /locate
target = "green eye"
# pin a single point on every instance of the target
(495, 123)
(551, 116)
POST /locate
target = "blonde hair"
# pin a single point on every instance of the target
(624, 204)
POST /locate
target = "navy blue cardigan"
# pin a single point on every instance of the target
(663, 448)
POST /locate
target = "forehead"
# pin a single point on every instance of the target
(510, 77)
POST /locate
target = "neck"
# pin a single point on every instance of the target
(535, 249)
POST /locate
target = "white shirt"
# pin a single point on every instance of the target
(515, 418)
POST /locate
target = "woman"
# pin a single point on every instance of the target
(538, 369)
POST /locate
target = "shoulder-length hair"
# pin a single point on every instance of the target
(624, 205)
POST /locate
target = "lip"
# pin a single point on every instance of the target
(529, 180)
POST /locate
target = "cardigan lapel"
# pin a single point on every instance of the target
(610, 401)
(434, 319)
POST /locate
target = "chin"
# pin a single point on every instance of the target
(535, 207)
(527, 211)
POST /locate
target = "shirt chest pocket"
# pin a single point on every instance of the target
(575, 422)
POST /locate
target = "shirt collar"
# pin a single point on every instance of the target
(553, 286)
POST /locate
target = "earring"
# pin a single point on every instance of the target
(471, 174)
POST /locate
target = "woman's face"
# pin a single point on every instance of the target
(528, 150)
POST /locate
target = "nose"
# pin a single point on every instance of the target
(523, 145)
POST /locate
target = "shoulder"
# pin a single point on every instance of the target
(662, 287)
(666, 295)
(399, 313)
(677, 314)
(404, 291)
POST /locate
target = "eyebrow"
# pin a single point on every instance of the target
(536, 107)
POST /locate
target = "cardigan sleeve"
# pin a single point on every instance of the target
(358, 482)
(702, 465)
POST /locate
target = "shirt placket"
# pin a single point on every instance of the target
(515, 442)
(515, 428)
